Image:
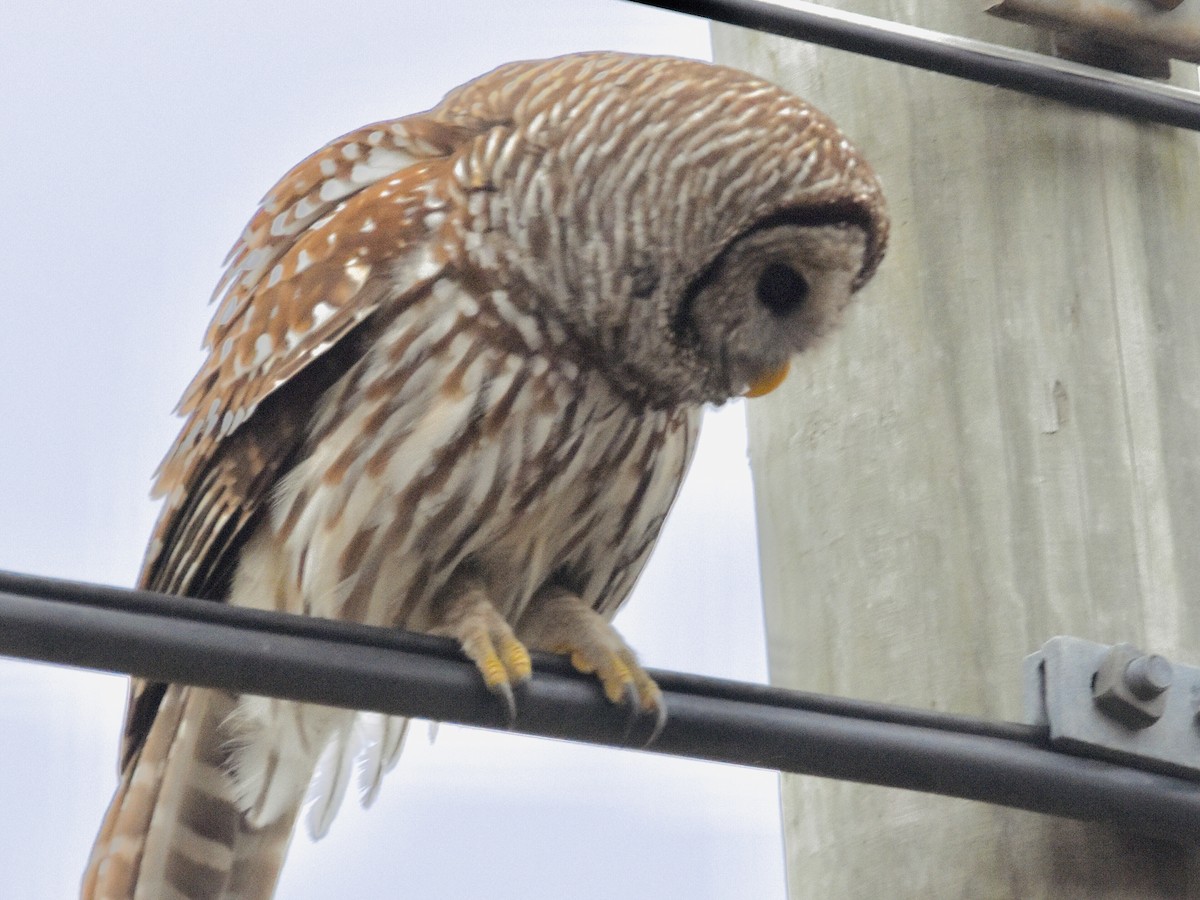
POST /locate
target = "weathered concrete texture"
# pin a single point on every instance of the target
(1002, 445)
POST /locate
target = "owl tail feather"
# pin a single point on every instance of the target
(173, 830)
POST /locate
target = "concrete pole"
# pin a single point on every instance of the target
(1002, 445)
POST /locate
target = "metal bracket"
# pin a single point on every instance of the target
(1135, 36)
(1116, 703)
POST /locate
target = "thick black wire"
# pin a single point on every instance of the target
(341, 664)
(187, 609)
(1006, 67)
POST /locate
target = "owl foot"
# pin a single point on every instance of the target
(559, 622)
(488, 641)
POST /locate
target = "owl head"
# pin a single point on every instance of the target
(690, 227)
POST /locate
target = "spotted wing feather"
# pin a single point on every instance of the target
(314, 264)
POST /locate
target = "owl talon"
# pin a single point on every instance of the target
(647, 701)
(488, 641)
(504, 691)
(561, 623)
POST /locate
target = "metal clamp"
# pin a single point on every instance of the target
(1116, 702)
(1134, 36)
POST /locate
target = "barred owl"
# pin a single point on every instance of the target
(454, 382)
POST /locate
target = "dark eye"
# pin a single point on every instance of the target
(781, 289)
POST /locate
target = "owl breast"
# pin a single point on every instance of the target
(464, 440)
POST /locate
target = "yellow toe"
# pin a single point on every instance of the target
(493, 670)
(516, 659)
(617, 682)
(581, 663)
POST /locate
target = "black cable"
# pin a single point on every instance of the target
(993, 64)
(187, 609)
(341, 664)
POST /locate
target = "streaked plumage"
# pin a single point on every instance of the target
(454, 382)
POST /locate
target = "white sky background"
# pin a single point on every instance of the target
(135, 139)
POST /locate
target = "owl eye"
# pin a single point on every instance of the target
(781, 289)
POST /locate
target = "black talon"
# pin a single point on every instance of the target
(632, 704)
(660, 722)
(505, 692)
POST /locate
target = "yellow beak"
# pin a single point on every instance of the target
(760, 387)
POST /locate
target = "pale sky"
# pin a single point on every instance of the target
(137, 138)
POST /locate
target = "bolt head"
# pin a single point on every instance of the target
(1148, 676)
(1130, 686)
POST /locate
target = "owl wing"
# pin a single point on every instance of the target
(311, 266)
(343, 232)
